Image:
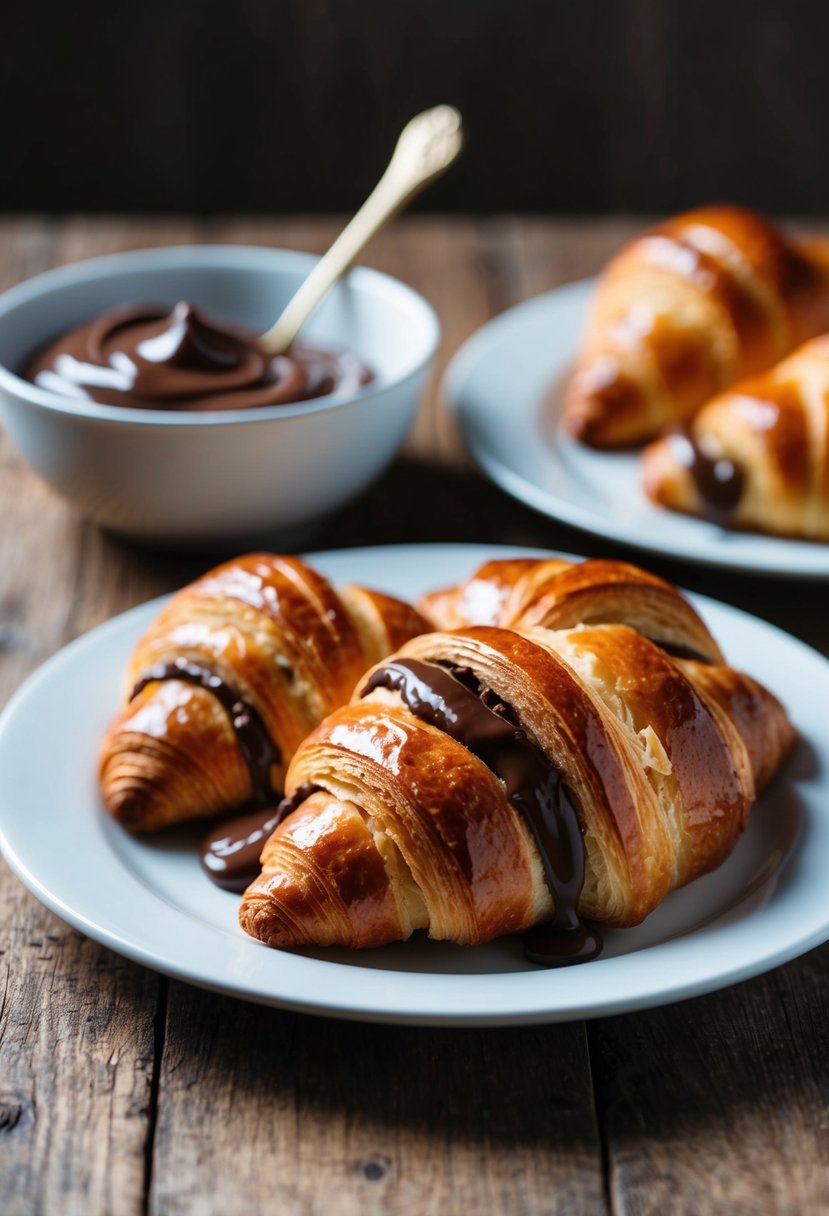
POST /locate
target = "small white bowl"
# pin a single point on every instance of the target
(177, 477)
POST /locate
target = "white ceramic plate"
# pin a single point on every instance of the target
(497, 383)
(150, 901)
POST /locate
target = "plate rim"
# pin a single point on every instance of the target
(812, 556)
(645, 996)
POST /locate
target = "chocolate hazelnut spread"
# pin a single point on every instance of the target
(145, 356)
(230, 853)
(719, 481)
(475, 716)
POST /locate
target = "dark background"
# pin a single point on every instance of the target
(288, 105)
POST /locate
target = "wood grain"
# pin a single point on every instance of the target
(721, 1104)
(77, 1023)
(121, 1093)
(265, 1111)
(77, 1032)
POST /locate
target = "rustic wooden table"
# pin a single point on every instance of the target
(122, 1092)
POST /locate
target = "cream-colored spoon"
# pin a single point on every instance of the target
(426, 148)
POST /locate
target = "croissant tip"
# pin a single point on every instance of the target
(258, 916)
(578, 414)
(596, 414)
(653, 468)
(132, 807)
(665, 481)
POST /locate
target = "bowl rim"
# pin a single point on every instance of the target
(231, 257)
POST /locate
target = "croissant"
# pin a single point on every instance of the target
(686, 310)
(557, 594)
(756, 456)
(227, 681)
(489, 781)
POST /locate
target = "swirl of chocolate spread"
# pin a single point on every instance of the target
(147, 357)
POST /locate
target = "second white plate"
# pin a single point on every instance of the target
(498, 383)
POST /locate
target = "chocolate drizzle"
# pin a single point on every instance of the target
(677, 651)
(230, 853)
(258, 748)
(719, 481)
(476, 717)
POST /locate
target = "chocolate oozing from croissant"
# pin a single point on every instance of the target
(230, 853)
(453, 701)
(256, 745)
(719, 482)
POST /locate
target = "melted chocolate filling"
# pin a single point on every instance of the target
(476, 717)
(719, 482)
(677, 651)
(259, 750)
(230, 853)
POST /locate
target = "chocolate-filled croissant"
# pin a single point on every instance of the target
(524, 592)
(489, 782)
(756, 456)
(227, 681)
(686, 310)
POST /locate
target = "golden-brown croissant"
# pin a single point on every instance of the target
(756, 456)
(686, 310)
(488, 781)
(523, 592)
(229, 678)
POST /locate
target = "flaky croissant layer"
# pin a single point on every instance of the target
(486, 781)
(520, 593)
(230, 677)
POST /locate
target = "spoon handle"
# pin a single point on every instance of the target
(426, 148)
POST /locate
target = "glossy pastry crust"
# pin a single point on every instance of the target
(520, 593)
(770, 436)
(686, 310)
(282, 640)
(410, 829)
